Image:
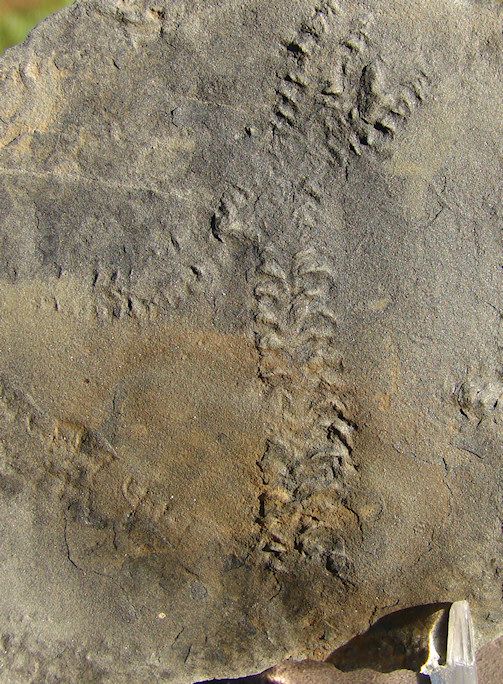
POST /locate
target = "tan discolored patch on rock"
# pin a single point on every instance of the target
(176, 410)
(35, 100)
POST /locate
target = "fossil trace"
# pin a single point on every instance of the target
(250, 331)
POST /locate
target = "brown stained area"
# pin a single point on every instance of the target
(33, 101)
(153, 429)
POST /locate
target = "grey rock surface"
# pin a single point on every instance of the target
(250, 331)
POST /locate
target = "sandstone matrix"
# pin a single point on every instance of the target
(250, 331)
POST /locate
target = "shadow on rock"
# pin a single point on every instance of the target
(399, 641)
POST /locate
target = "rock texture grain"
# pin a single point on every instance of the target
(250, 331)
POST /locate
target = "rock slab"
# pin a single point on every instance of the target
(250, 331)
